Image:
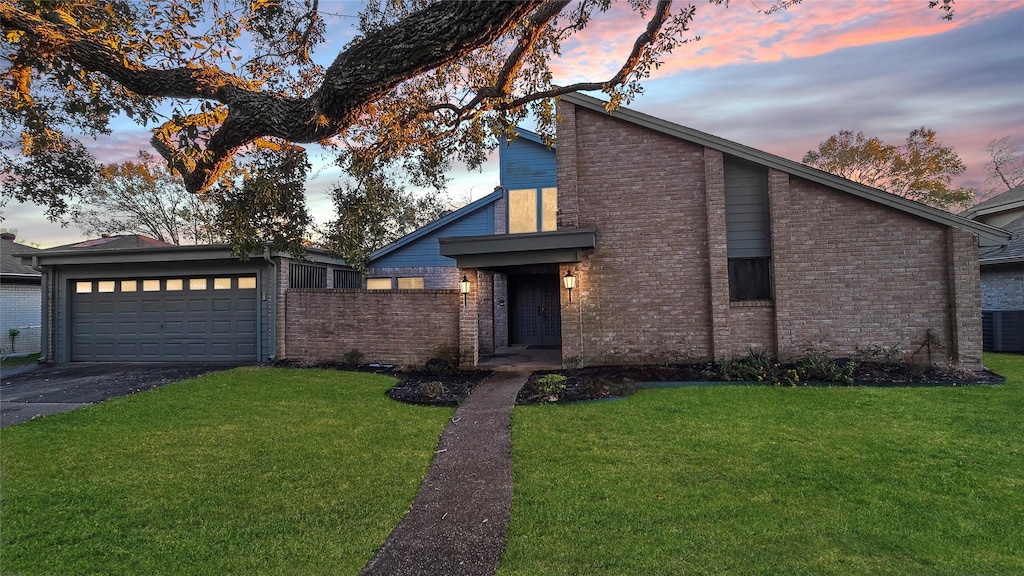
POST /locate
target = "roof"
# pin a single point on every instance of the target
(987, 235)
(12, 267)
(439, 223)
(105, 242)
(1012, 252)
(1012, 199)
(137, 248)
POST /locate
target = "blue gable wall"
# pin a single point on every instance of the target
(527, 163)
(420, 248)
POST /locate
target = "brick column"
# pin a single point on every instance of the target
(566, 162)
(485, 308)
(964, 298)
(718, 253)
(786, 340)
(469, 322)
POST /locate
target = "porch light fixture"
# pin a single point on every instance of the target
(464, 289)
(570, 283)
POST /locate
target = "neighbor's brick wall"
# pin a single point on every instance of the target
(20, 307)
(643, 292)
(1002, 287)
(401, 327)
(848, 272)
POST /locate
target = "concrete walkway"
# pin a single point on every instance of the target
(457, 524)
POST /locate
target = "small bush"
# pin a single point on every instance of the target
(817, 366)
(353, 358)
(550, 385)
(439, 367)
(433, 389)
(754, 367)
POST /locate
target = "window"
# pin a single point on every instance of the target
(197, 283)
(175, 284)
(378, 283)
(307, 276)
(222, 283)
(347, 279)
(532, 210)
(410, 283)
(150, 285)
(747, 231)
(106, 286)
(83, 287)
(129, 285)
(247, 283)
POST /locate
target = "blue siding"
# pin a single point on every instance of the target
(527, 164)
(426, 252)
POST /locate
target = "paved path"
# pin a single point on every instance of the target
(457, 524)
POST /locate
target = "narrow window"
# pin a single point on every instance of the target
(150, 285)
(222, 283)
(83, 287)
(247, 283)
(106, 286)
(747, 231)
(378, 283)
(522, 211)
(174, 284)
(197, 283)
(129, 285)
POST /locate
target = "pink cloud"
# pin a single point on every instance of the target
(740, 35)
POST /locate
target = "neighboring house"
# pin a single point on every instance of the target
(1002, 272)
(683, 245)
(19, 299)
(133, 298)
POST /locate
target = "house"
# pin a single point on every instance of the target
(678, 244)
(134, 298)
(19, 299)
(1002, 272)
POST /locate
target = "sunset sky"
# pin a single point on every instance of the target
(780, 83)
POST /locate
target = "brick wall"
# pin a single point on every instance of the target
(20, 307)
(434, 277)
(401, 327)
(642, 294)
(1002, 287)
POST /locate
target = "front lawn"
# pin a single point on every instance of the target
(768, 480)
(249, 471)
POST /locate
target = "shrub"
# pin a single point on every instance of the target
(353, 358)
(550, 385)
(817, 366)
(439, 367)
(754, 367)
(433, 389)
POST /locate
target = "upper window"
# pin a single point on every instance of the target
(532, 210)
(414, 283)
(378, 283)
(747, 231)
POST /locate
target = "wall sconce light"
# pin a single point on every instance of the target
(570, 283)
(464, 289)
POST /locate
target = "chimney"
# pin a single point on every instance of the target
(8, 236)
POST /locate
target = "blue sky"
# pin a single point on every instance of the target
(781, 84)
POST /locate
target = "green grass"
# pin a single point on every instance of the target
(765, 480)
(250, 471)
(19, 360)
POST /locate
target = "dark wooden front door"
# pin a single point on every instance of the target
(535, 315)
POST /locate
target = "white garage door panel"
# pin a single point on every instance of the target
(166, 325)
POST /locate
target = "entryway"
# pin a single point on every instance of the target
(535, 317)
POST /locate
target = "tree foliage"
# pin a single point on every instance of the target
(425, 82)
(373, 213)
(920, 169)
(1005, 167)
(143, 197)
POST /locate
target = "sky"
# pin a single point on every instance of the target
(780, 83)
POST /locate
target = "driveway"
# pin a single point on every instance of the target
(26, 393)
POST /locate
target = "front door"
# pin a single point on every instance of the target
(535, 317)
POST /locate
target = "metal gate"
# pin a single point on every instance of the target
(209, 318)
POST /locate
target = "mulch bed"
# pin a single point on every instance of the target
(445, 387)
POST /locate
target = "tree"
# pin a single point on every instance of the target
(373, 213)
(425, 83)
(922, 169)
(143, 197)
(1005, 167)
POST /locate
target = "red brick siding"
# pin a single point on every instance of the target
(848, 272)
(643, 292)
(401, 327)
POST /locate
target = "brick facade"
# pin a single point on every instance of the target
(1003, 286)
(434, 277)
(20, 309)
(401, 327)
(846, 272)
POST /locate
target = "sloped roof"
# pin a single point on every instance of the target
(1010, 200)
(439, 223)
(125, 242)
(1012, 252)
(11, 266)
(987, 235)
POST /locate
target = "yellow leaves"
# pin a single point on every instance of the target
(13, 36)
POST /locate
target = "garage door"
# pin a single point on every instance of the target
(210, 318)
